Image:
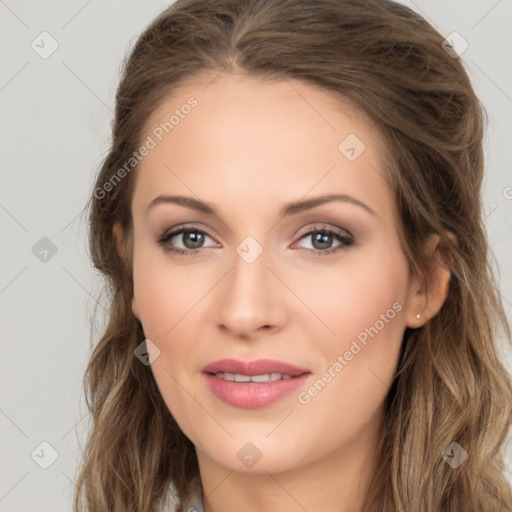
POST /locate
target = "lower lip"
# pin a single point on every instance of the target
(253, 395)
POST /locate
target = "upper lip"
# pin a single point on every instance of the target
(255, 367)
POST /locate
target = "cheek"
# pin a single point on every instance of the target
(366, 289)
(365, 310)
(167, 298)
(165, 293)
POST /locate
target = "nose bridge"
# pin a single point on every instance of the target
(250, 298)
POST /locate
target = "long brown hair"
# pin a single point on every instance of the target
(450, 385)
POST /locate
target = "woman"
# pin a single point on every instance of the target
(303, 314)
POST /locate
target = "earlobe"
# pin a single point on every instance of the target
(426, 300)
(135, 308)
(415, 305)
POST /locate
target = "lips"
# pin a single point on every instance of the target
(234, 381)
(256, 367)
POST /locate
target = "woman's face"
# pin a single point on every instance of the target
(259, 279)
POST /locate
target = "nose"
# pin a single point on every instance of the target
(250, 299)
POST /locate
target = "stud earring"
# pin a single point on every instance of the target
(418, 316)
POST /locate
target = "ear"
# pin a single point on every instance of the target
(119, 239)
(119, 242)
(428, 300)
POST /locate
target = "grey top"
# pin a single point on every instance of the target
(194, 505)
(197, 505)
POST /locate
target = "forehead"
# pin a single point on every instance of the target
(228, 97)
(248, 137)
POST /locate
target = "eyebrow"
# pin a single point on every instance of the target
(287, 210)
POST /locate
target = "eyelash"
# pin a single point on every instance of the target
(346, 241)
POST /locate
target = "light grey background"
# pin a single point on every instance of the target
(55, 129)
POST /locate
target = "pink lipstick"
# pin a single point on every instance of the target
(253, 384)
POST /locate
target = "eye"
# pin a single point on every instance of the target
(192, 239)
(322, 239)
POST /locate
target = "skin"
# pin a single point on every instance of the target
(249, 147)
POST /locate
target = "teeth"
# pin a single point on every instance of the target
(267, 377)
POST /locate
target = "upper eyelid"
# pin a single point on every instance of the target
(324, 227)
(180, 229)
(174, 232)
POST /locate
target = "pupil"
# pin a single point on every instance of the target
(195, 238)
(322, 238)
